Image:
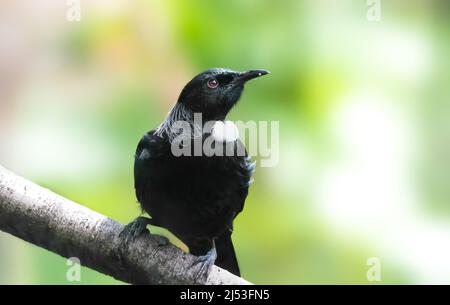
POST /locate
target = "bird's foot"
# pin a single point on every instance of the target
(132, 231)
(204, 263)
(138, 227)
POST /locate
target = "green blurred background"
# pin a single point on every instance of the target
(363, 108)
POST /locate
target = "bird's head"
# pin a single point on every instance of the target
(215, 91)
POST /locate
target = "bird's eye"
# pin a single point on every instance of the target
(213, 83)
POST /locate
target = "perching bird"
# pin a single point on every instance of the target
(195, 197)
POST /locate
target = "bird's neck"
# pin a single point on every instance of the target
(179, 117)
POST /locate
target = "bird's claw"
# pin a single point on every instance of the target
(206, 262)
(138, 227)
(135, 228)
(132, 231)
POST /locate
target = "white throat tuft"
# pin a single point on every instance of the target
(225, 131)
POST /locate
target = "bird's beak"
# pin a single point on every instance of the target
(243, 77)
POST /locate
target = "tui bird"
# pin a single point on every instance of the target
(195, 197)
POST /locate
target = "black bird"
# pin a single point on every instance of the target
(195, 197)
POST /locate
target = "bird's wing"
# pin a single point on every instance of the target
(149, 152)
(245, 170)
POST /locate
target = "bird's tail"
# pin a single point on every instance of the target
(226, 257)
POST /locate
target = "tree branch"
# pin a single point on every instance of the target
(50, 221)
